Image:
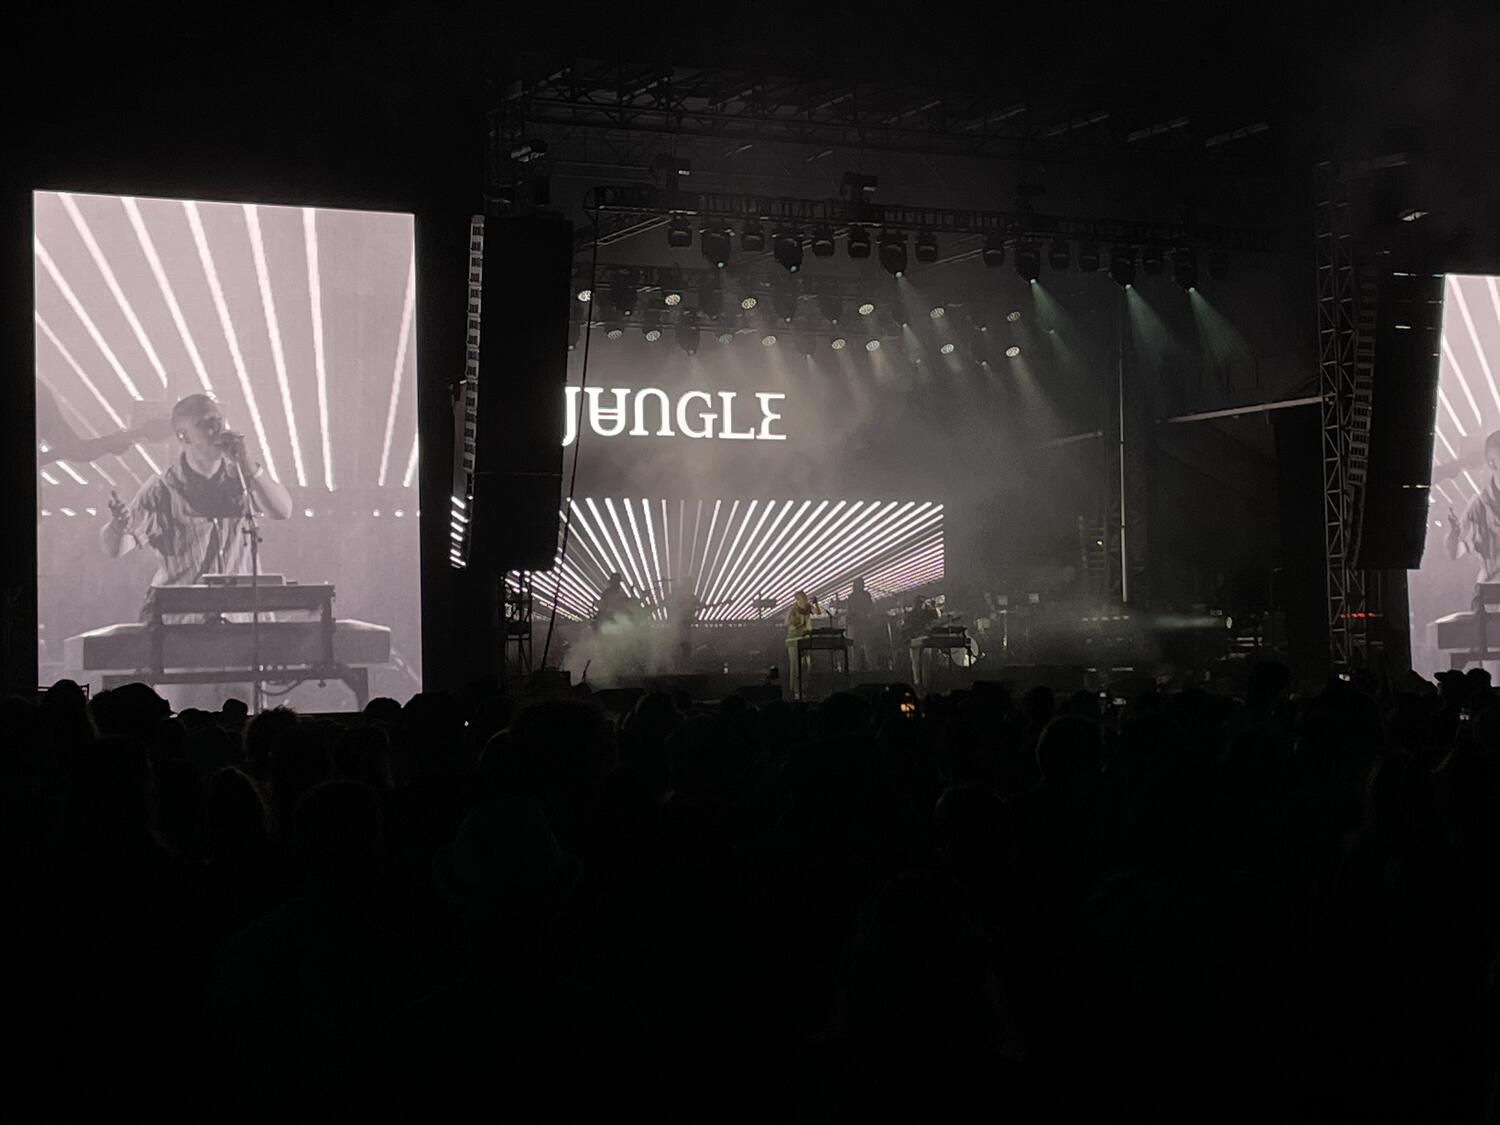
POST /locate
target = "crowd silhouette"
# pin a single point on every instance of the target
(1189, 907)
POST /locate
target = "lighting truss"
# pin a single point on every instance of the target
(752, 549)
(637, 201)
(466, 407)
(743, 109)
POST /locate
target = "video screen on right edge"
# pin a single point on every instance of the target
(1463, 534)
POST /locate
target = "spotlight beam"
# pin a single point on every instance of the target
(320, 370)
(226, 324)
(143, 236)
(1442, 437)
(80, 224)
(403, 339)
(273, 331)
(88, 322)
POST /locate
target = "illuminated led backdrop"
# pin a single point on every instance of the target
(299, 321)
(1468, 412)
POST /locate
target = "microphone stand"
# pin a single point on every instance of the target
(252, 531)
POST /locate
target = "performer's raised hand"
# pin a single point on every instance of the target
(117, 513)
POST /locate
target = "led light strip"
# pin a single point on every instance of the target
(88, 322)
(80, 224)
(1463, 383)
(226, 324)
(273, 331)
(1448, 406)
(1484, 362)
(143, 236)
(403, 340)
(315, 304)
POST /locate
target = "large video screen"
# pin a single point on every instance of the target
(1463, 535)
(226, 436)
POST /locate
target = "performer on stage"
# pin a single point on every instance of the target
(1478, 531)
(798, 625)
(614, 602)
(860, 610)
(683, 608)
(192, 514)
(799, 617)
(919, 619)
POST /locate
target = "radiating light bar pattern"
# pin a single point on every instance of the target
(231, 339)
(80, 224)
(403, 339)
(320, 368)
(273, 330)
(84, 318)
(753, 548)
(153, 259)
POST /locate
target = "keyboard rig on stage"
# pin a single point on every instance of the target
(185, 638)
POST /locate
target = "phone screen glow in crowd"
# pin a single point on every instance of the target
(298, 323)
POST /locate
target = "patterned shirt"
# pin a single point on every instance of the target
(190, 541)
(1479, 532)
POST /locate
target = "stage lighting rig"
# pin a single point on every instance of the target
(994, 249)
(1152, 261)
(679, 233)
(651, 325)
(726, 337)
(1013, 351)
(838, 343)
(927, 246)
(872, 345)
(784, 302)
(1185, 268)
(1059, 255)
(867, 308)
(1122, 266)
(831, 305)
(622, 292)
(687, 332)
(671, 288)
(768, 340)
(937, 312)
(787, 246)
(711, 301)
(1028, 261)
(947, 348)
(858, 242)
(807, 343)
(752, 237)
(822, 241)
(1088, 257)
(893, 252)
(615, 333)
(585, 296)
(749, 301)
(858, 186)
(1218, 264)
(714, 243)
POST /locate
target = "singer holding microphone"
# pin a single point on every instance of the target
(798, 625)
(192, 514)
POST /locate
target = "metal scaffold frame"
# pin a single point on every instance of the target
(1338, 357)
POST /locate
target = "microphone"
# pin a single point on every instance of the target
(229, 440)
